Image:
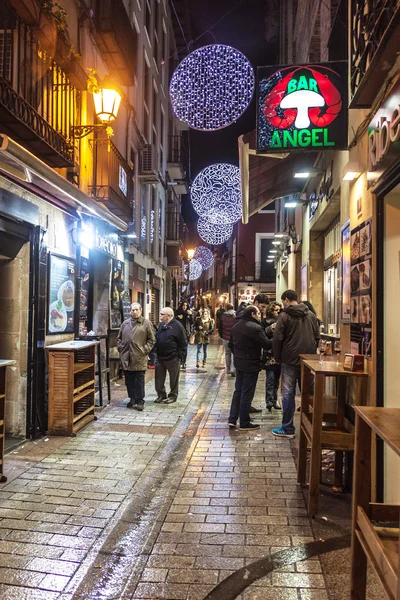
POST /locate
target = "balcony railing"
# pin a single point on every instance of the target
(178, 156)
(375, 26)
(112, 179)
(176, 230)
(116, 38)
(38, 104)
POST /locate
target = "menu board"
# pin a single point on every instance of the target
(61, 295)
(126, 305)
(361, 288)
(117, 288)
(85, 282)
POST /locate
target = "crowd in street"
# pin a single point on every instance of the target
(262, 335)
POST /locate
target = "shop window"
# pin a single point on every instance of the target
(331, 315)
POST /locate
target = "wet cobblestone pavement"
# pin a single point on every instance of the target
(162, 504)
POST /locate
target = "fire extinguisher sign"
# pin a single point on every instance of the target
(302, 107)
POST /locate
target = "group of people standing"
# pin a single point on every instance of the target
(262, 335)
(267, 337)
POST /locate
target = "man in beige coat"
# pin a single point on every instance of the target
(135, 341)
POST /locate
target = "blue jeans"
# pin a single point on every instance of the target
(272, 384)
(199, 351)
(290, 376)
(245, 386)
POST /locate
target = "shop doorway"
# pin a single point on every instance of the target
(391, 331)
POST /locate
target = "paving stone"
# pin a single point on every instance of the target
(56, 567)
(168, 591)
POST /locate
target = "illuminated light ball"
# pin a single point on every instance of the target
(216, 194)
(204, 256)
(212, 233)
(212, 87)
(195, 269)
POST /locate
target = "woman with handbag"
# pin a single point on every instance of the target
(203, 328)
(184, 316)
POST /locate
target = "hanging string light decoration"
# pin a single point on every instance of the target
(216, 194)
(212, 233)
(195, 269)
(204, 256)
(212, 87)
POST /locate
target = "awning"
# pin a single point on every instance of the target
(264, 178)
(37, 177)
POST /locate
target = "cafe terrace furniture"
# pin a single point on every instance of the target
(3, 365)
(321, 430)
(375, 528)
(71, 386)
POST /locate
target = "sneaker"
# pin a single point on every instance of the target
(249, 427)
(254, 410)
(169, 400)
(231, 425)
(282, 433)
(159, 400)
(139, 406)
(197, 365)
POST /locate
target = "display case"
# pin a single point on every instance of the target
(71, 368)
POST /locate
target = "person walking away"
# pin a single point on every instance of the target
(134, 343)
(247, 341)
(241, 308)
(272, 368)
(219, 314)
(227, 321)
(296, 333)
(184, 315)
(203, 328)
(171, 346)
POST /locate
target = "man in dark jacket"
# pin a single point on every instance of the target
(227, 321)
(247, 341)
(296, 333)
(171, 345)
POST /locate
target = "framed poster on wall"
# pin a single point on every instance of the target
(61, 295)
(361, 288)
(345, 273)
(117, 288)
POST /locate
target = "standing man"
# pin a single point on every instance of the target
(134, 342)
(262, 303)
(296, 333)
(226, 322)
(247, 340)
(171, 346)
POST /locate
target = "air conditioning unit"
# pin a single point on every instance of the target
(148, 163)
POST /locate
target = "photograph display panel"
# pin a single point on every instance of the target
(361, 288)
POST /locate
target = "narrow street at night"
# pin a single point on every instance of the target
(168, 503)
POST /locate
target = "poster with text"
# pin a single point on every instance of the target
(61, 295)
(361, 287)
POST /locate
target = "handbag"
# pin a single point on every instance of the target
(191, 339)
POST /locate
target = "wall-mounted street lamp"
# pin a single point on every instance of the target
(190, 253)
(106, 104)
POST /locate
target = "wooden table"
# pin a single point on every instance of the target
(313, 431)
(3, 365)
(380, 544)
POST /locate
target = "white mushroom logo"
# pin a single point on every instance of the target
(302, 101)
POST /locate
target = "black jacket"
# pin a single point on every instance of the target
(296, 333)
(246, 343)
(171, 341)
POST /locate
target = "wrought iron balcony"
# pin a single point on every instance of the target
(178, 159)
(112, 179)
(375, 27)
(38, 104)
(116, 38)
(175, 229)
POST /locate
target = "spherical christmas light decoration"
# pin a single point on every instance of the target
(216, 194)
(212, 87)
(204, 256)
(195, 269)
(214, 234)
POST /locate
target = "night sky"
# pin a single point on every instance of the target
(250, 29)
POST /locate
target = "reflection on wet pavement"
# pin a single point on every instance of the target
(167, 503)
